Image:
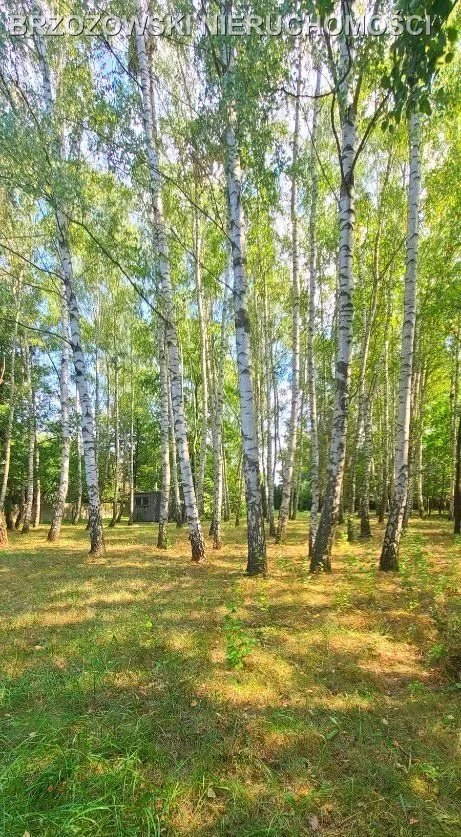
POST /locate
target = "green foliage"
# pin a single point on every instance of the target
(239, 643)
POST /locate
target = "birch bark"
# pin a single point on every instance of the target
(311, 380)
(390, 552)
(88, 436)
(27, 520)
(162, 539)
(257, 561)
(55, 528)
(218, 405)
(8, 434)
(321, 553)
(150, 132)
(287, 484)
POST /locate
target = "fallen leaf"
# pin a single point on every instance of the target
(193, 702)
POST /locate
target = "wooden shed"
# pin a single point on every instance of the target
(146, 506)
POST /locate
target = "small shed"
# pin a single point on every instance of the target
(146, 506)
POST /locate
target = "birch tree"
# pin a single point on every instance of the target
(161, 243)
(389, 559)
(162, 540)
(295, 343)
(257, 562)
(348, 100)
(55, 528)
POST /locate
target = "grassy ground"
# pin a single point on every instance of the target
(144, 695)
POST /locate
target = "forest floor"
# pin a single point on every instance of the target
(144, 695)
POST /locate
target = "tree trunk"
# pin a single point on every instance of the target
(78, 503)
(200, 478)
(174, 465)
(457, 498)
(218, 404)
(117, 442)
(89, 449)
(321, 553)
(150, 132)
(240, 492)
(287, 484)
(269, 417)
(55, 528)
(8, 435)
(385, 462)
(131, 447)
(390, 552)
(311, 380)
(162, 539)
(37, 500)
(365, 531)
(257, 562)
(454, 397)
(27, 520)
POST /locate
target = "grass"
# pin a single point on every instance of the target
(124, 709)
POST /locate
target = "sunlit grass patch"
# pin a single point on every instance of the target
(130, 704)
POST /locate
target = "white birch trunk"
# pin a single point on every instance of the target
(365, 530)
(131, 450)
(78, 503)
(117, 443)
(218, 404)
(269, 417)
(390, 552)
(257, 562)
(88, 436)
(200, 479)
(162, 539)
(321, 553)
(27, 520)
(150, 131)
(311, 377)
(174, 463)
(287, 483)
(8, 435)
(55, 528)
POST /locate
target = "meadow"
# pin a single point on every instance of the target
(142, 694)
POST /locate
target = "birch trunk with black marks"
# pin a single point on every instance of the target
(27, 520)
(37, 499)
(389, 559)
(131, 443)
(454, 398)
(8, 434)
(174, 464)
(457, 487)
(79, 445)
(162, 539)
(55, 528)
(385, 461)
(311, 381)
(365, 530)
(287, 483)
(269, 417)
(217, 422)
(321, 552)
(88, 434)
(174, 360)
(257, 561)
(117, 442)
(200, 475)
(89, 450)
